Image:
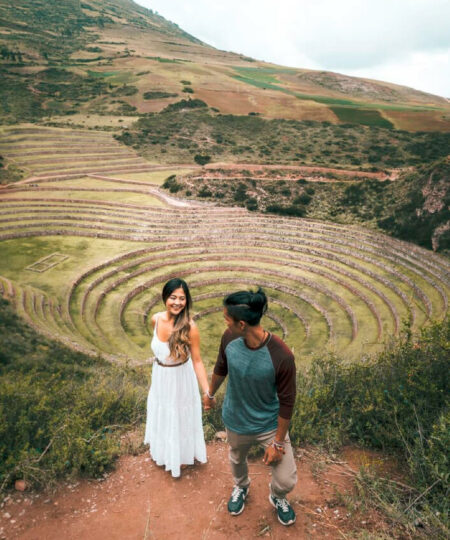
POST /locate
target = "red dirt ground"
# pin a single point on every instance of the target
(139, 500)
(301, 169)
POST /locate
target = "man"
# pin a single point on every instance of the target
(259, 399)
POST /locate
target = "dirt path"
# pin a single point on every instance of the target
(303, 169)
(141, 501)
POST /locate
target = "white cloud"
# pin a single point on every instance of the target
(394, 38)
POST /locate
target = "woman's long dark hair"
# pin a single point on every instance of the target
(179, 339)
(248, 306)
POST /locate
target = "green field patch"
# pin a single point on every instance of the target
(265, 81)
(163, 60)
(263, 76)
(365, 117)
(102, 74)
(365, 105)
(122, 77)
(254, 71)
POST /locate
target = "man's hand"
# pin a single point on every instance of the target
(208, 403)
(272, 455)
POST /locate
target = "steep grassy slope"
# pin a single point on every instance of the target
(117, 58)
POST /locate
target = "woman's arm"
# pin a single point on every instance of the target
(153, 320)
(197, 361)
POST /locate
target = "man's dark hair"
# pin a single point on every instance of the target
(247, 306)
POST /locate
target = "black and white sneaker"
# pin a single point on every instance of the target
(236, 503)
(286, 515)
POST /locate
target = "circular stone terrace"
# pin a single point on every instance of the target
(331, 287)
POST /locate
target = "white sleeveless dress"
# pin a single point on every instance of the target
(174, 427)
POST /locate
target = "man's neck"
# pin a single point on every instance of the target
(254, 336)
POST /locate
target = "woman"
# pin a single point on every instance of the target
(174, 428)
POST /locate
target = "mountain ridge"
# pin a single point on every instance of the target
(103, 46)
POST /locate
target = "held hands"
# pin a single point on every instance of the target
(273, 454)
(208, 403)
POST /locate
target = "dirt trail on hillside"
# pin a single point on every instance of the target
(139, 500)
(303, 169)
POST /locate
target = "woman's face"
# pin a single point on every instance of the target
(176, 301)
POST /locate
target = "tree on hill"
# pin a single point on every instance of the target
(201, 159)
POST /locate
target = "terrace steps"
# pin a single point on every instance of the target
(330, 285)
(53, 152)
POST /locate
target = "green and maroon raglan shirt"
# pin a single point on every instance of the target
(261, 383)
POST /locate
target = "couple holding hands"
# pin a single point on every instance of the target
(259, 397)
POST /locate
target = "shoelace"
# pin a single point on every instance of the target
(283, 504)
(236, 493)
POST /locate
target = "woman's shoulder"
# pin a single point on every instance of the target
(155, 317)
(193, 327)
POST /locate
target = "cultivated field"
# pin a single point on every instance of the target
(86, 252)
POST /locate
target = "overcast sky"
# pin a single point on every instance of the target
(402, 41)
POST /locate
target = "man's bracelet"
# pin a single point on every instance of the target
(209, 395)
(278, 445)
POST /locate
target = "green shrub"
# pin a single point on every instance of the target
(252, 204)
(304, 198)
(202, 159)
(158, 95)
(171, 184)
(291, 210)
(67, 426)
(205, 192)
(61, 412)
(397, 402)
(126, 108)
(240, 194)
(185, 104)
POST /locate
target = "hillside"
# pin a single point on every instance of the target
(95, 63)
(413, 207)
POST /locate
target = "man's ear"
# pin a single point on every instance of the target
(242, 325)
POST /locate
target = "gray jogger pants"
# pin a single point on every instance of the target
(284, 472)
